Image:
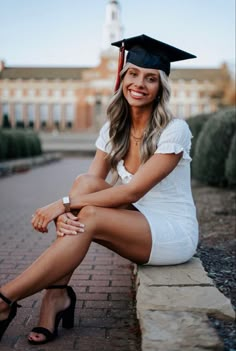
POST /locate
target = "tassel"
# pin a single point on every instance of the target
(120, 65)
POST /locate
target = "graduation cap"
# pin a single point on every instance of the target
(146, 52)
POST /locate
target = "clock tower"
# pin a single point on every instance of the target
(112, 29)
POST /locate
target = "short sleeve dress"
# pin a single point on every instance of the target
(168, 207)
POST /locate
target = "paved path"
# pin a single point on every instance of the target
(105, 314)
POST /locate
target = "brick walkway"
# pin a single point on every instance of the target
(105, 314)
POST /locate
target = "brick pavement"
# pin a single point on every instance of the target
(105, 312)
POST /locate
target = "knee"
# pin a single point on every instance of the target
(86, 182)
(88, 213)
(87, 216)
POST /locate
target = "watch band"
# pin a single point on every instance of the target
(66, 203)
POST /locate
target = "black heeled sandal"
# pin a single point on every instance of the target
(67, 317)
(13, 310)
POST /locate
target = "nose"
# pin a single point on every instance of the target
(139, 81)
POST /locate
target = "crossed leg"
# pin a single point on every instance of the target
(56, 300)
(126, 232)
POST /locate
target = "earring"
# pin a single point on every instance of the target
(158, 98)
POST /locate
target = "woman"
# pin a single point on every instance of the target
(152, 217)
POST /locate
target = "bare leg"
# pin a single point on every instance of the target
(66, 253)
(56, 300)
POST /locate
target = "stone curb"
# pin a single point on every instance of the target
(25, 164)
(173, 303)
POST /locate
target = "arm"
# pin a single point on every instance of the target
(42, 216)
(100, 166)
(148, 175)
(174, 143)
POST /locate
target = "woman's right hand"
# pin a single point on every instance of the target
(68, 224)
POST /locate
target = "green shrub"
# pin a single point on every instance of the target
(3, 146)
(5, 122)
(34, 144)
(20, 124)
(16, 144)
(23, 143)
(230, 166)
(31, 124)
(38, 144)
(13, 150)
(196, 124)
(212, 148)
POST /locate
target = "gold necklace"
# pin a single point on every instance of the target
(136, 139)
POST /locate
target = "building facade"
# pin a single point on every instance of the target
(75, 99)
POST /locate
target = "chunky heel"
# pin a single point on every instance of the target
(68, 320)
(69, 313)
(67, 317)
(13, 310)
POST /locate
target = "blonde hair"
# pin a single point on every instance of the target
(120, 122)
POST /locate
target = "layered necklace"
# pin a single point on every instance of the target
(137, 139)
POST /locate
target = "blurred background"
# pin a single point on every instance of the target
(58, 69)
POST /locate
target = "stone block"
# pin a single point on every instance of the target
(189, 273)
(175, 331)
(206, 299)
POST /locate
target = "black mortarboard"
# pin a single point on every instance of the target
(146, 52)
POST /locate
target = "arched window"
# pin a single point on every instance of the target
(30, 111)
(5, 109)
(18, 112)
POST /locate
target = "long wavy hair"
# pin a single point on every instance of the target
(120, 122)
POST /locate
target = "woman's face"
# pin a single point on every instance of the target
(141, 86)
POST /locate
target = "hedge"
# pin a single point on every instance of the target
(34, 144)
(196, 124)
(3, 145)
(230, 166)
(16, 144)
(212, 148)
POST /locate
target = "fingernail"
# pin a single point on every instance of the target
(82, 225)
(81, 230)
(75, 233)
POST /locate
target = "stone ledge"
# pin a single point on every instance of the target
(172, 306)
(190, 273)
(177, 331)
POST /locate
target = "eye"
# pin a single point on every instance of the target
(132, 73)
(151, 79)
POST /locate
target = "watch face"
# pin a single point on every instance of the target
(66, 203)
(66, 200)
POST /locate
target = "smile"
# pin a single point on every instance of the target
(136, 94)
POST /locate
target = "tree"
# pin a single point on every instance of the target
(6, 123)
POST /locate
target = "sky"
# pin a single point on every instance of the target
(69, 32)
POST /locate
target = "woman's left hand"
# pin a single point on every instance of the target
(68, 224)
(44, 215)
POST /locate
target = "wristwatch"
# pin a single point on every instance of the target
(66, 203)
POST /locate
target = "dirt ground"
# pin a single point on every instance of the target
(216, 210)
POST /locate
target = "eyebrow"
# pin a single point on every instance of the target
(147, 73)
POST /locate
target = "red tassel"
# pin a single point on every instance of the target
(120, 65)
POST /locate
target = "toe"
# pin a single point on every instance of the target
(36, 337)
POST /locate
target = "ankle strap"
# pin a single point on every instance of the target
(9, 302)
(57, 287)
(5, 299)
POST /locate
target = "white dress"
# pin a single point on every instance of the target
(168, 207)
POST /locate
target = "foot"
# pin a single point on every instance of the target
(54, 301)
